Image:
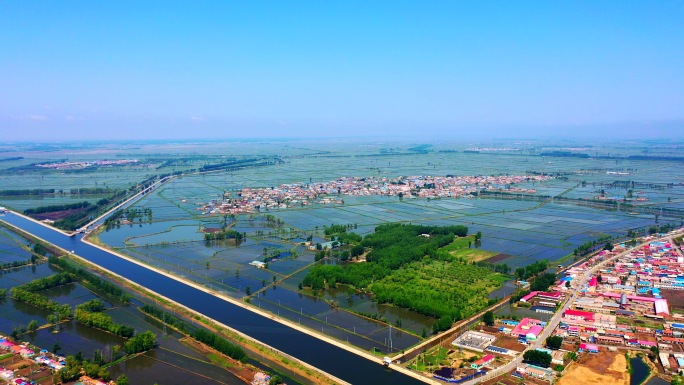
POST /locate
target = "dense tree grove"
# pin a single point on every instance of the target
(537, 357)
(74, 365)
(543, 282)
(531, 270)
(93, 305)
(54, 280)
(406, 267)
(442, 324)
(225, 234)
(349, 238)
(335, 229)
(554, 342)
(219, 343)
(40, 249)
(141, 343)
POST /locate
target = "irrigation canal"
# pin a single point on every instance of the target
(332, 359)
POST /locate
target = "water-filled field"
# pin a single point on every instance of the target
(521, 231)
(171, 357)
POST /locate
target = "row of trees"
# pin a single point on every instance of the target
(27, 293)
(13, 264)
(589, 246)
(206, 337)
(102, 321)
(37, 300)
(89, 279)
(24, 192)
(219, 343)
(336, 229)
(502, 268)
(166, 318)
(54, 208)
(531, 270)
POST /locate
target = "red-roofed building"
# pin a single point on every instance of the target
(482, 361)
(579, 315)
(591, 348)
(554, 296)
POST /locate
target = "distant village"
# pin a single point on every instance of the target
(250, 200)
(85, 164)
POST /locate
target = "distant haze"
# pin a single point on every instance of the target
(168, 70)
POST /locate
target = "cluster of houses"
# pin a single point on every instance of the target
(261, 378)
(629, 287)
(41, 358)
(249, 200)
(606, 313)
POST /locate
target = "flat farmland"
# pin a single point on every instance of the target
(515, 232)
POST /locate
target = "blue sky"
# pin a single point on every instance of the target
(167, 70)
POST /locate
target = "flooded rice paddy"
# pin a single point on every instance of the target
(522, 231)
(165, 364)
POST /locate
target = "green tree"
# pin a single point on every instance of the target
(275, 380)
(122, 380)
(538, 358)
(554, 342)
(608, 246)
(488, 318)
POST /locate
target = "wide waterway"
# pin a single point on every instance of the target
(332, 359)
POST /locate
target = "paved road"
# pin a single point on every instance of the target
(553, 322)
